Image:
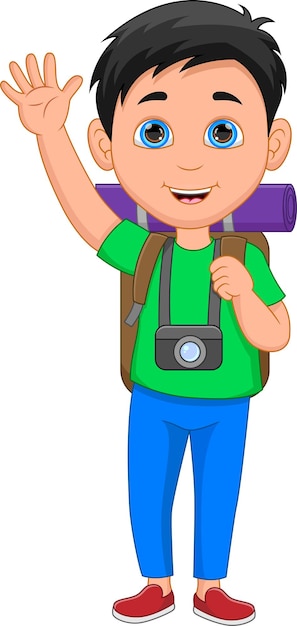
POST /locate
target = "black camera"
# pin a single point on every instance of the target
(188, 347)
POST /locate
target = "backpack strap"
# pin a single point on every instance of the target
(144, 269)
(232, 245)
(214, 305)
(214, 308)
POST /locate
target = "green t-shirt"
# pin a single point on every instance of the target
(239, 375)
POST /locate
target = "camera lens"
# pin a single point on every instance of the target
(190, 351)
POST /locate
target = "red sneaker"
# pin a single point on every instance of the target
(220, 608)
(146, 605)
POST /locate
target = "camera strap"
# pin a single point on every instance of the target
(214, 307)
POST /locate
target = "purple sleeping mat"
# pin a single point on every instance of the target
(271, 208)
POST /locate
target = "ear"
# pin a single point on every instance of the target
(278, 143)
(100, 145)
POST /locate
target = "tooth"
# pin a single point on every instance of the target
(190, 192)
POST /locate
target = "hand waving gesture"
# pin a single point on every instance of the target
(43, 106)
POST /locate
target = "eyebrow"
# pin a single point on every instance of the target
(224, 95)
(155, 95)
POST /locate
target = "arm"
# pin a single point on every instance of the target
(43, 109)
(265, 327)
(87, 212)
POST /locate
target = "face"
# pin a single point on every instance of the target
(191, 146)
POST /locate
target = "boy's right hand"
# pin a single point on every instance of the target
(43, 106)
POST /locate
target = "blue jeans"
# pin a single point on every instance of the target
(159, 427)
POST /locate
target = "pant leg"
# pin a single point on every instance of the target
(155, 452)
(217, 453)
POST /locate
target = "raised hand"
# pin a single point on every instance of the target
(43, 106)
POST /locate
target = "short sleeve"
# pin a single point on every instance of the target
(122, 246)
(265, 285)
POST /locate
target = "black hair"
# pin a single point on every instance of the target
(189, 29)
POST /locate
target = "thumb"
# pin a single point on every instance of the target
(72, 86)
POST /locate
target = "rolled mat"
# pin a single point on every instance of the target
(271, 208)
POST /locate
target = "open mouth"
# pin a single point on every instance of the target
(190, 196)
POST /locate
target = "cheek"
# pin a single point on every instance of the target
(138, 169)
(244, 166)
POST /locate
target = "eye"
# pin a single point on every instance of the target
(153, 134)
(223, 134)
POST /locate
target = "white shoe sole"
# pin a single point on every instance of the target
(225, 622)
(141, 620)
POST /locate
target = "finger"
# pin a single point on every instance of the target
(50, 72)
(217, 264)
(223, 293)
(33, 71)
(222, 282)
(72, 86)
(12, 94)
(20, 77)
(221, 261)
(222, 272)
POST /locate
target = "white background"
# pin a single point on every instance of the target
(66, 549)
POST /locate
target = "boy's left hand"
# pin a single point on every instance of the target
(230, 278)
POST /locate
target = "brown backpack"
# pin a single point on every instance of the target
(134, 288)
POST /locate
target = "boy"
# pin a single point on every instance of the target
(186, 99)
